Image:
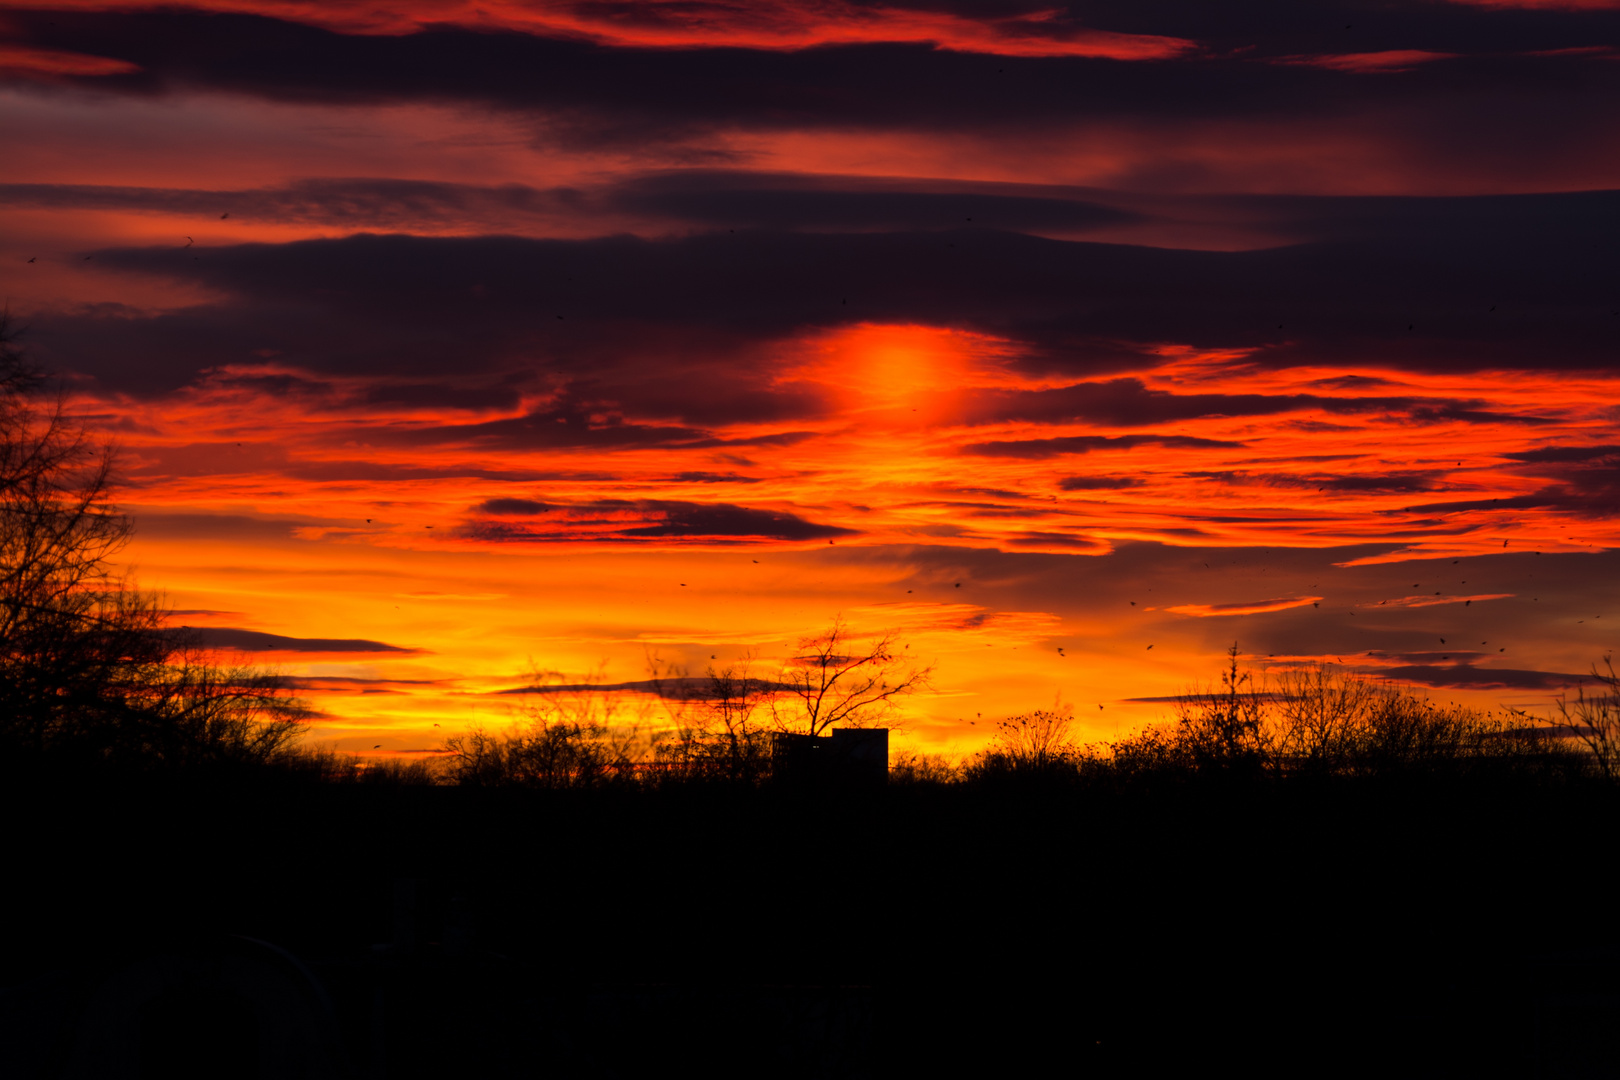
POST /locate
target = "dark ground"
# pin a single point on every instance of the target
(1433, 928)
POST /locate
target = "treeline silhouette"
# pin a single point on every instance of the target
(1314, 723)
(1301, 725)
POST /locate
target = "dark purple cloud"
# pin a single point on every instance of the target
(1128, 403)
(220, 637)
(1097, 483)
(1593, 493)
(623, 519)
(1410, 481)
(716, 199)
(1085, 444)
(709, 199)
(624, 321)
(1563, 454)
(1468, 677)
(514, 507)
(679, 687)
(595, 93)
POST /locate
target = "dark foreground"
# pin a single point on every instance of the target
(1433, 927)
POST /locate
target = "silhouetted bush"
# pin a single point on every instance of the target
(1028, 746)
(1318, 721)
(555, 755)
(909, 767)
(567, 736)
(325, 766)
(718, 734)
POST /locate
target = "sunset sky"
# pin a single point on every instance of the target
(444, 338)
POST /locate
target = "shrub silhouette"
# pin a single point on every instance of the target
(1320, 721)
(569, 736)
(718, 733)
(1038, 738)
(910, 767)
(1224, 728)
(1030, 744)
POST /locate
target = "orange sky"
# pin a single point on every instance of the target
(487, 375)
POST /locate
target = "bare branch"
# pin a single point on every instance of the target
(839, 681)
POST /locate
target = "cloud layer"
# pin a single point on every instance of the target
(1212, 312)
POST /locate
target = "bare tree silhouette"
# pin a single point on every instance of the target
(86, 664)
(836, 678)
(1594, 718)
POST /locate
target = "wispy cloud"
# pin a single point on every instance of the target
(1256, 607)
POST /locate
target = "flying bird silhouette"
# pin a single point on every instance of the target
(225, 215)
(189, 241)
(35, 257)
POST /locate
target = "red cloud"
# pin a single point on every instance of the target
(1386, 61)
(1256, 607)
(680, 24)
(25, 60)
